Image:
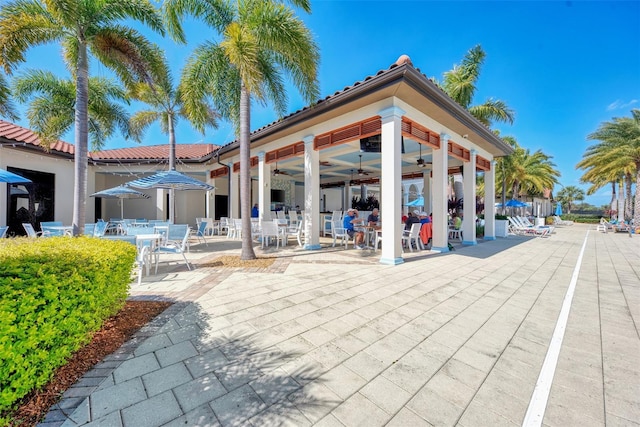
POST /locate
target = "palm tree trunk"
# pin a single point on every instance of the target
(172, 166)
(504, 189)
(628, 208)
(621, 201)
(636, 213)
(81, 140)
(612, 205)
(245, 175)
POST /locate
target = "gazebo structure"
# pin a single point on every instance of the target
(392, 126)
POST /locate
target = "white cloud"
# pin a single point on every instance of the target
(619, 105)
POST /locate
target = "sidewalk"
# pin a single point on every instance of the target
(333, 338)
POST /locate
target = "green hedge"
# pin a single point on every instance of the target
(54, 294)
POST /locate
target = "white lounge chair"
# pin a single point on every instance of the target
(176, 243)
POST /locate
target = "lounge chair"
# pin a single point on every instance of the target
(559, 221)
(3, 231)
(518, 227)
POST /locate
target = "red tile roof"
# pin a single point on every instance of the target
(28, 137)
(153, 152)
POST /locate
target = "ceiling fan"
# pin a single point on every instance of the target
(361, 172)
(277, 171)
(421, 163)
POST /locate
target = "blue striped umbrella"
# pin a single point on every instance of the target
(12, 178)
(120, 192)
(170, 180)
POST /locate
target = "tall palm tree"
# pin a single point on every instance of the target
(460, 84)
(166, 107)
(82, 28)
(503, 166)
(569, 194)
(617, 154)
(7, 108)
(262, 41)
(51, 108)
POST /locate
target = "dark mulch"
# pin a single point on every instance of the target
(115, 332)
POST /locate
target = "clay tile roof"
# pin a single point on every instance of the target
(20, 135)
(153, 152)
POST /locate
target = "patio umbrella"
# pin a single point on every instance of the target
(12, 178)
(417, 202)
(170, 180)
(558, 209)
(121, 193)
(514, 203)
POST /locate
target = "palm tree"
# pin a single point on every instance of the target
(82, 28)
(460, 84)
(51, 108)
(503, 166)
(262, 41)
(167, 107)
(7, 109)
(569, 194)
(524, 172)
(616, 155)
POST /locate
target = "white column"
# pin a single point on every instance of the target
(234, 196)
(490, 203)
(264, 186)
(469, 207)
(391, 185)
(161, 205)
(311, 195)
(210, 204)
(426, 191)
(440, 159)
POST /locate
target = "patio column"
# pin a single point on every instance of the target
(264, 186)
(234, 193)
(312, 195)
(426, 191)
(490, 203)
(440, 225)
(161, 202)
(391, 185)
(469, 207)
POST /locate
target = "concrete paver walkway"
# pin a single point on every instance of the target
(333, 338)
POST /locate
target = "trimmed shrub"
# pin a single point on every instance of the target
(54, 294)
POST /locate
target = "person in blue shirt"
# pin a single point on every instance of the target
(351, 218)
(254, 211)
(374, 217)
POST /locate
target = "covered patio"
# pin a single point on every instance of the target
(393, 126)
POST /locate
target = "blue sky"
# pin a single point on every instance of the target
(564, 67)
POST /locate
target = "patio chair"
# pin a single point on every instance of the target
(294, 231)
(335, 216)
(176, 243)
(412, 236)
(49, 231)
(268, 231)
(100, 228)
(31, 232)
(559, 221)
(3, 231)
(339, 232)
(201, 231)
(89, 229)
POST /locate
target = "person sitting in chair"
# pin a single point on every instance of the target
(348, 222)
(255, 213)
(374, 218)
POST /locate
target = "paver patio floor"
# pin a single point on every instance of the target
(333, 338)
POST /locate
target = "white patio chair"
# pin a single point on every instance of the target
(176, 243)
(339, 232)
(268, 231)
(412, 236)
